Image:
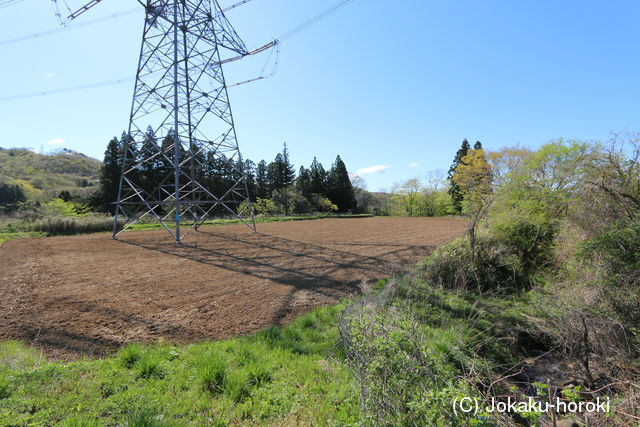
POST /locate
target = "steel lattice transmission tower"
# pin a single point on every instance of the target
(181, 122)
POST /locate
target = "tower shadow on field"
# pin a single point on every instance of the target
(319, 269)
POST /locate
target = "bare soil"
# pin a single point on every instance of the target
(88, 295)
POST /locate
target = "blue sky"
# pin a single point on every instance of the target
(391, 86)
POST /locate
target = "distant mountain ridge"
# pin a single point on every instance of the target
(46, 175)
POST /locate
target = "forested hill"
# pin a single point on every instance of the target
(47, 175)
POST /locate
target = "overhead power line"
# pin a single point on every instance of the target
(71, 27)
(7, 3)
(309, 22)
(295, 30)
(68, 89)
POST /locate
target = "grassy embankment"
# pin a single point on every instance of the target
(295, 374)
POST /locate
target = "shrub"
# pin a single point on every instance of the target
(616, 255)
(324, 205)
(405, 376)
(531, 239)
(506, 258)
(617, 250)
(494, 267)
(261, 206)
(62, 206)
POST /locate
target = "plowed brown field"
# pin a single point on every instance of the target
(87, 295)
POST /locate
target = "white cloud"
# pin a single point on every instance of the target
(372, 169)
(413, 165)
(56, 141)
(49, 75)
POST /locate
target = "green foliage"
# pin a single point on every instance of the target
(146, 418)
(81, 422)
(262, 181)
(617, 249)
(37, 173)
(289, 200)
(213, 373)
(59, 206)
(110, 173)
(318, 178)
(303, 183)
(409, 372)
(17, 356)
(130, 354)
(492, 266)
(505, 259)
(149, 366)
(11, 194)
(548, 180)
(67, 225)
(531, 238)
(265, 207)
(237, 386)
(455, 191)
(280, 172)
(325, 205)
(5, 384)
(339, 188)
(293, 376)
(616, 256)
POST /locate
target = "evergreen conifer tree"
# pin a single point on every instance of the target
(110, 174)
(303, 183)
(455, 191)
(262, 181)
(340, 191)
(318, 178)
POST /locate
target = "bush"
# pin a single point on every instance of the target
(261, 206)
(616, 255)
(408, 373)
(617, 250)
(506, 258)
(531, 239)
(494, 267)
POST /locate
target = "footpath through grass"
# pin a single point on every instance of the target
(291, 375)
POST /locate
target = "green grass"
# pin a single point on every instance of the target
(293, 375)
(21, 230)
(4, 236)
(259, 219)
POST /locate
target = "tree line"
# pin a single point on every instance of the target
(273, 187)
